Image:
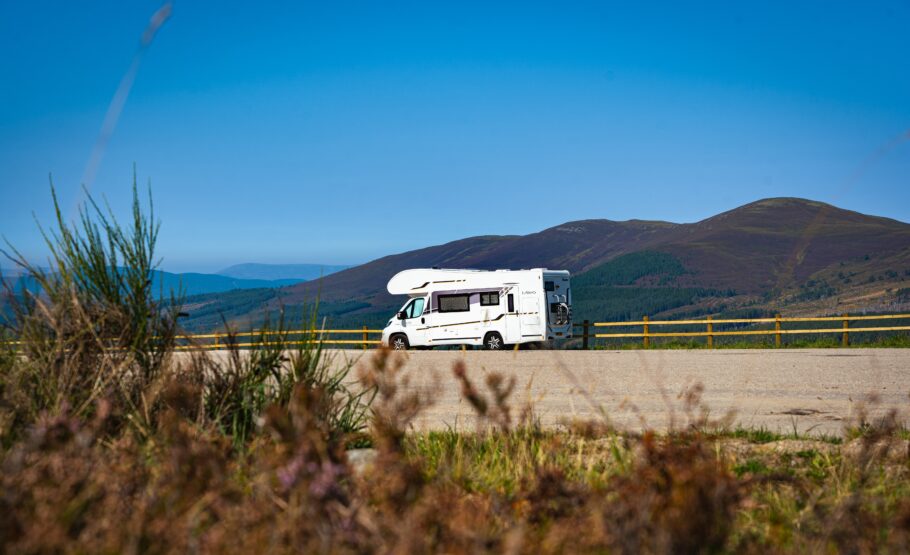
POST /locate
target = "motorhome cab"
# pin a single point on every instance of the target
(479, 307)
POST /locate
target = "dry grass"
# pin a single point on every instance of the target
(70, 485)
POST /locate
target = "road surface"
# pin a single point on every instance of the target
(806, 390)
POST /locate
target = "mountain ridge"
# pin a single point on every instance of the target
(760, 254)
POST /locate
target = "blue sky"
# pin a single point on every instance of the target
(339, 132)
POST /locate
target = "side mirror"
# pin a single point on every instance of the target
(402, 315)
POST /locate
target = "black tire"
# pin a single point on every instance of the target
(399, 342)
(534, 346)
(493, 342)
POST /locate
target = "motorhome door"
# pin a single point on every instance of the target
(415, 322)
(531, 317)
(512, 329)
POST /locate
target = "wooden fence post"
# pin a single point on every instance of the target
(647, 340)
(365, 338)
(710, 334)
(584, 337)
(845, 340)
(777, 329)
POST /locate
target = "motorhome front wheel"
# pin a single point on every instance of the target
(399, 343)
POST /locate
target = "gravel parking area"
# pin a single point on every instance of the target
(786, 390)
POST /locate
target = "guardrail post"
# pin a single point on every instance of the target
(366, 337)
(584, 336)
(647, 340)
(845, 340)
(710, 334)
(777, 329)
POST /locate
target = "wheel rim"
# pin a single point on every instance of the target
(493, 343)
(398, 344)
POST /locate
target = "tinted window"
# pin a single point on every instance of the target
(549, 286)
(489, 299)
(454, 303)
(511, 300)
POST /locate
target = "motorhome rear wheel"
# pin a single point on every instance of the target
(493, 342)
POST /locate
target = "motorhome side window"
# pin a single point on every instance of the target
(549, 286)
(416, 308)
(454, 303)
(489, 299)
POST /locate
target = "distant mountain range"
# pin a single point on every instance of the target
(771, 255)
(195, 284)
(188, 283)
(239, 277)
(280, 271)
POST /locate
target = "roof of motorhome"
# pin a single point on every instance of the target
(418, 279)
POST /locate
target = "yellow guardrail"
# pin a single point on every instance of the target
(209, 341)
(710, 333)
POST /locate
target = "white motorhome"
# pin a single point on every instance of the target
(479, 307)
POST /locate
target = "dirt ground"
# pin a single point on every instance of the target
(786, 390)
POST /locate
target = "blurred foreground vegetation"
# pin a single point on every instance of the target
(109, 442)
